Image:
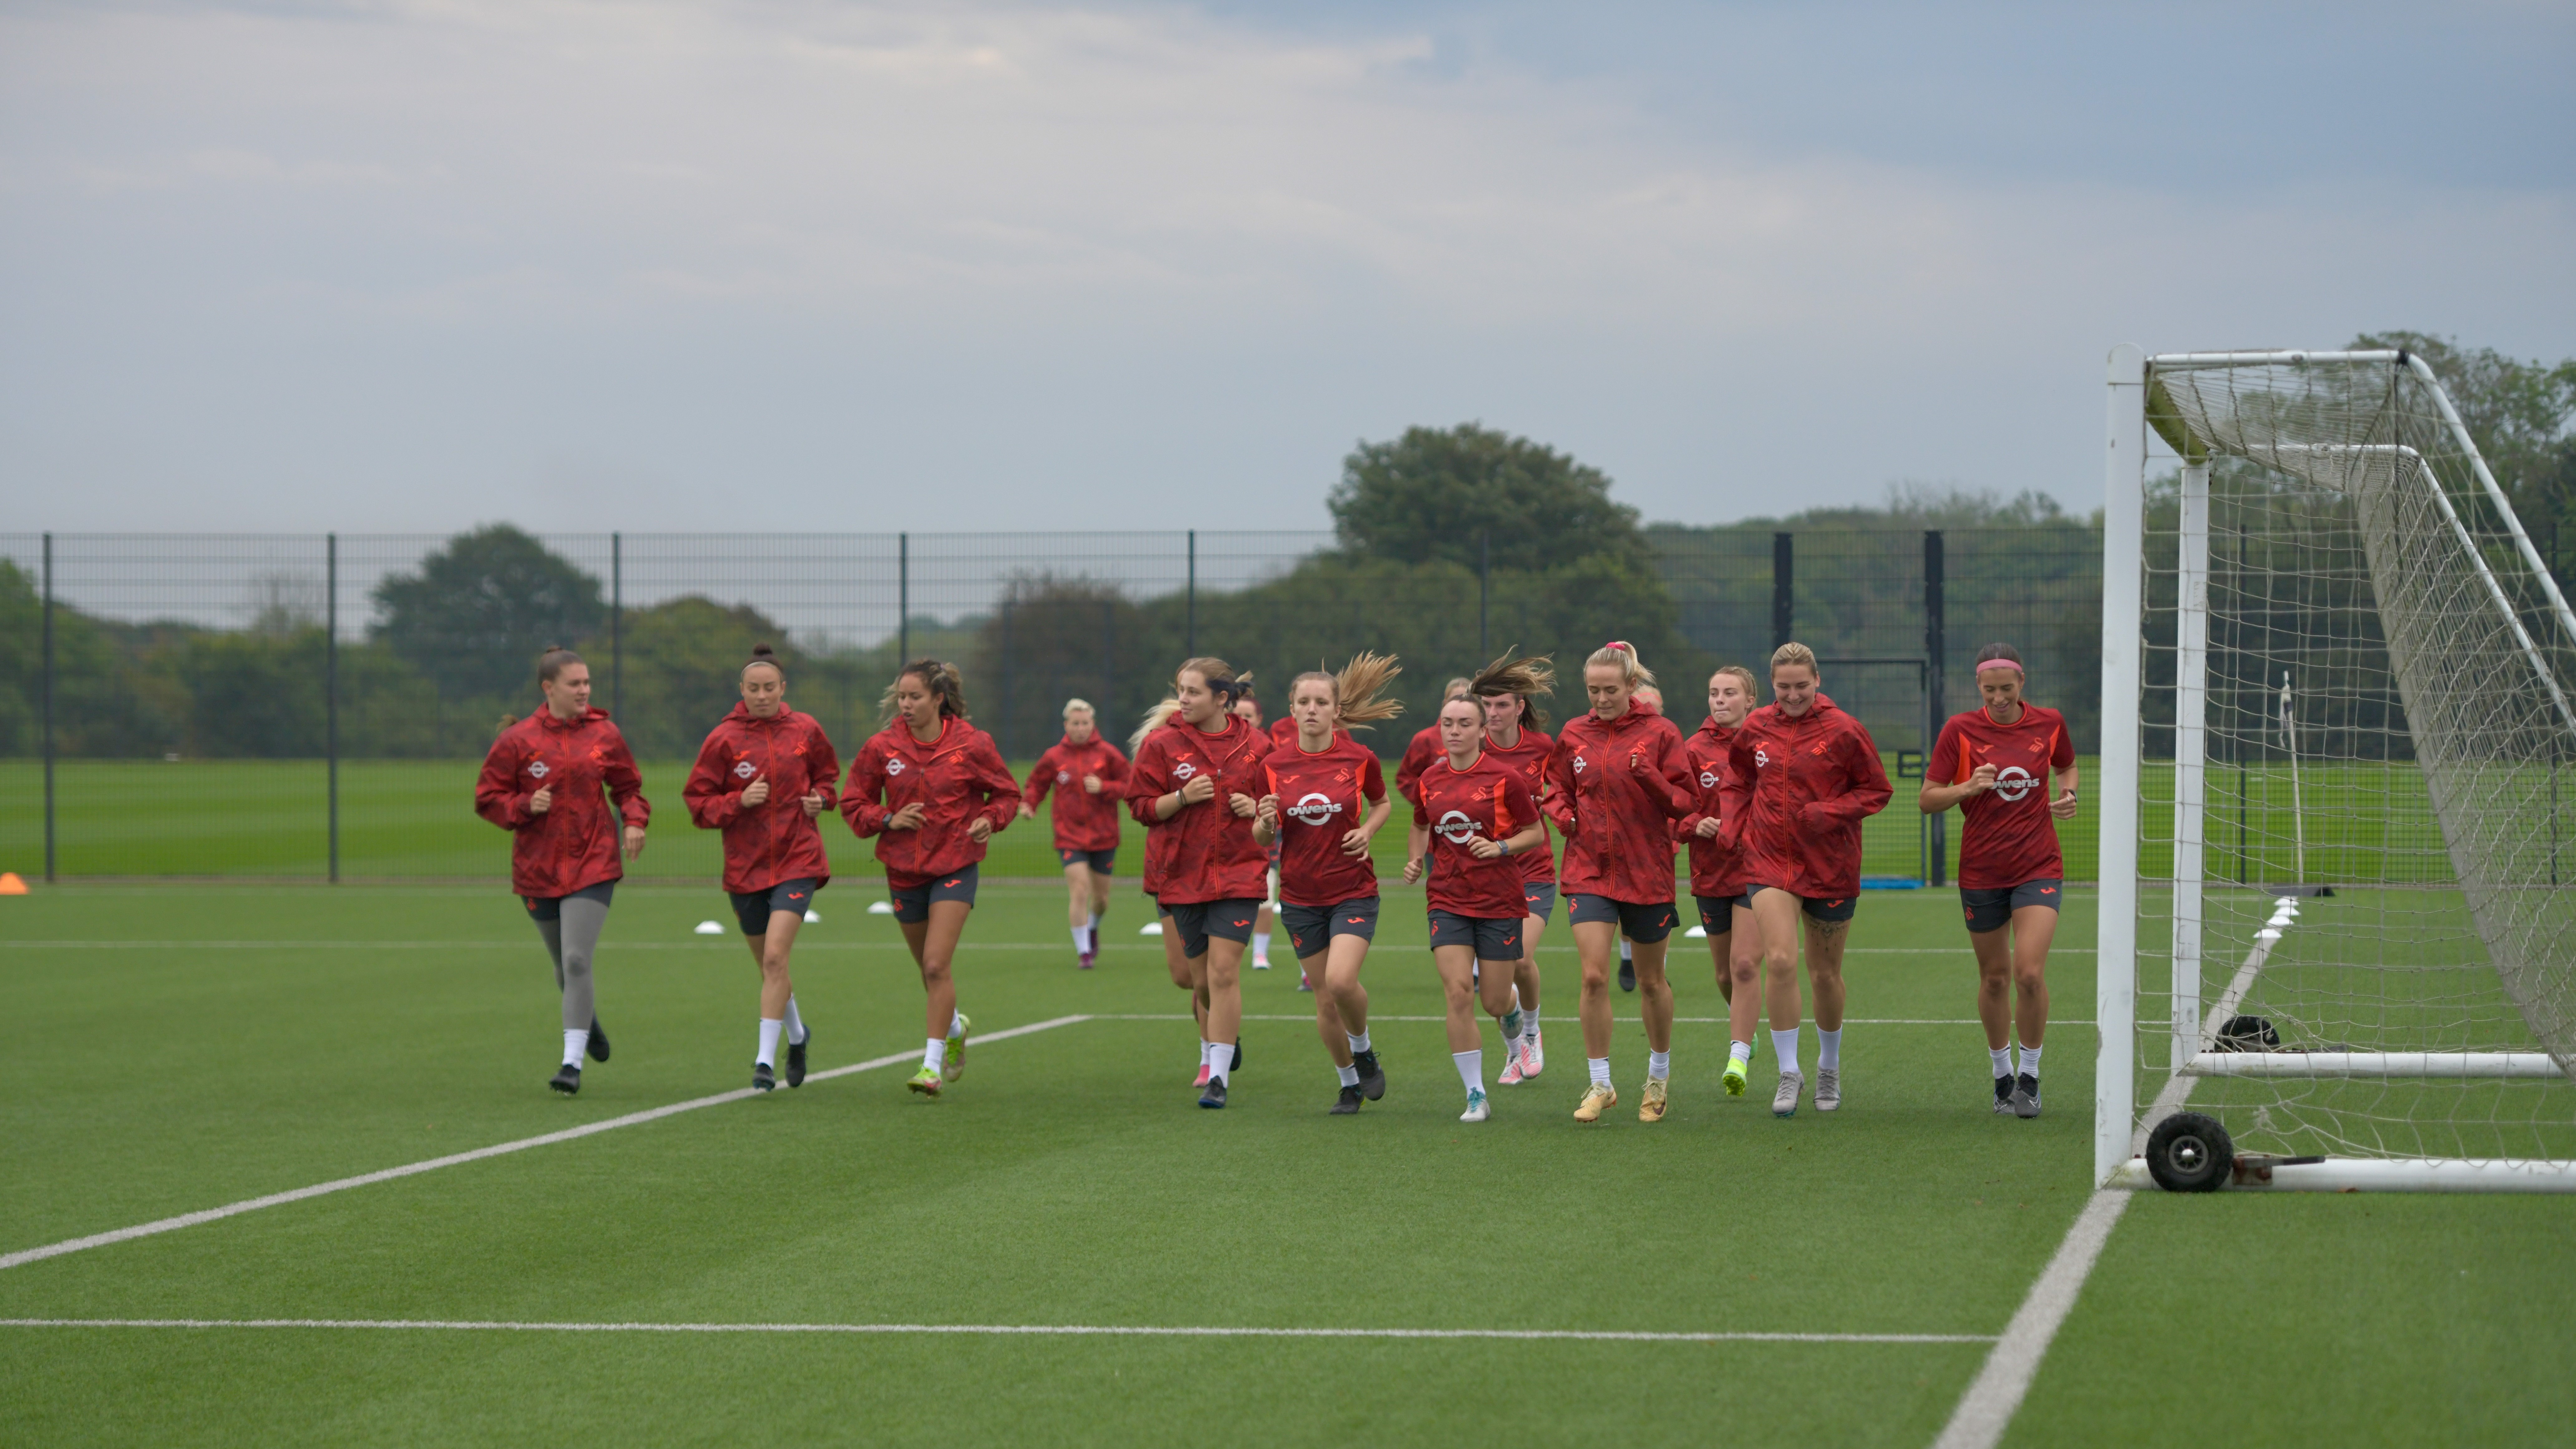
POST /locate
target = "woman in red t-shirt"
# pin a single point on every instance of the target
(1197, 783)
(1476, 812)
(933, 789)
(1990, 763)
(1326, 798)
(1088, 776)
(1516, 734)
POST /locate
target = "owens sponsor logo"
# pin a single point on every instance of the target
(745, 769)
(537, 768)
(1315, 809)
(2013, 782)
(1456, 828)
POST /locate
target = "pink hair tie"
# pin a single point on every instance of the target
(2014, 666)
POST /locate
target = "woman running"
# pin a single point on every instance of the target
(543, 782)
(1335, 794)
(1717, 868)
(1616, 782)
(1516, 735)
(1478, 813)
(1159, 845)
(1248, 710)
(1089, 777)
(1806, 776)
(1990, 762)
(762, 776)
(932, 788)
(1199, 782)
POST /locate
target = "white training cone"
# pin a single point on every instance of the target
(880, 908)
(1151, 928)
(1697, 933)
(813, 918)
(709, 928)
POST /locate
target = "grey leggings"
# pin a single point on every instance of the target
(571, 930)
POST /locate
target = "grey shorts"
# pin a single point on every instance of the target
(912, 903)
(1824, 910)
(550, 908)
(754, 908)
(1717, 913)
(1540, 896)
(1644, 922)
(1199, 920)
(1492, 940)
(1311, 929)
(1992, 910)
(1100, 861)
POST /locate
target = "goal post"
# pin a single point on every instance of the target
(2402, 1013)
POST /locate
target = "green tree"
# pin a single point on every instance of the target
(476, 615)
(1437, 494)
(2519, 414)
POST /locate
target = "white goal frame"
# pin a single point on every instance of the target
(2119, 1128)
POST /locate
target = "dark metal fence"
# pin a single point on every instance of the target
(309, 706)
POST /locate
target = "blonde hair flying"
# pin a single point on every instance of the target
(1356, 690)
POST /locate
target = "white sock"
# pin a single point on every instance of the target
(1659, 1065)
(1261, 945)
(1350, 1076)
(1471, 1068)
(1095, 922)
(1512, 1024)
(795, 1023)
(769, 1041)
(1082, 940)
(1626, 951)
(1829, 1049)
(575, 1043)
(1529, 1022)
(956, 1023)
(1600, 1070)
(1784, 1045)
(1740, 1051)
(2002, 1059)
(1360, 1043)
(1220, 1060)
(2030, 1061)
(935, 1056)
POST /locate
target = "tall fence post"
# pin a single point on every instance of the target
(1108, 655)
(1784, 591)
(331, 686)
(1484, 591)
(1191, 649)
(1935, 651)
(1002, 738)
(48, 694)
(617, 624)
(902, 600)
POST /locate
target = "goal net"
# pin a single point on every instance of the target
(2339, 691)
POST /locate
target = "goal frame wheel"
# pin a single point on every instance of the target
(2190, 1152)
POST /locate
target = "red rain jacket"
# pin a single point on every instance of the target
(1801, 789)
(776, 840)
(959, 776)
(1083, 821)
(1717, 867)
(1418, 755)
(1529, 759)
(1615, 790)
(1212, 855)
(575, 844)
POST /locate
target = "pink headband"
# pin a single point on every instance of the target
(1986, 664)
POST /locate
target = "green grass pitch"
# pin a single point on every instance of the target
(170, 1049)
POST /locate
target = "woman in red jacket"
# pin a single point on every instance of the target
(1719, 884)
(1198, 782)
(1335, 794)
(1089, 776)
(543, 782)
(1477, 812)
(1248, 709)
(932, 788)
(1615, 784)
(1158, 858)
(1806, 776)
(1516, 735)
(762, 776)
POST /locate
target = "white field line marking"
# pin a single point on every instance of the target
(499, 1149)
(1991, 1401)
(2178, 1087)
(1067, 1330)
(1681, 1020)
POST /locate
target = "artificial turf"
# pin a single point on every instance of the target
(170, 1049)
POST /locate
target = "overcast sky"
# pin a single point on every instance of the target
(852, 266)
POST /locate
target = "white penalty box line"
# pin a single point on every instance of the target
(1029, 1330)
(458, 1159)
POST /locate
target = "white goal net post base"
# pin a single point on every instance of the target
(2330, 508)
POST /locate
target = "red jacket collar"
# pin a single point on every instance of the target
(742, 715)
(545, 718)
(901, 734)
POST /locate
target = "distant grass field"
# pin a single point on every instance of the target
(170, 1049)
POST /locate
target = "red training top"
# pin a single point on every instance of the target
(1490, 799)
(1083, 821)
(1801, 789)
(575, 844)
(776, 840)
(1418, 755)
(2007, 836)
(957, 776)
(1615, 788)
(1322, 797)
(1283, 731)
(1717, 867)
(1213, 856)
(1529, 758)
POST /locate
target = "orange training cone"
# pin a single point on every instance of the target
(10, 885)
